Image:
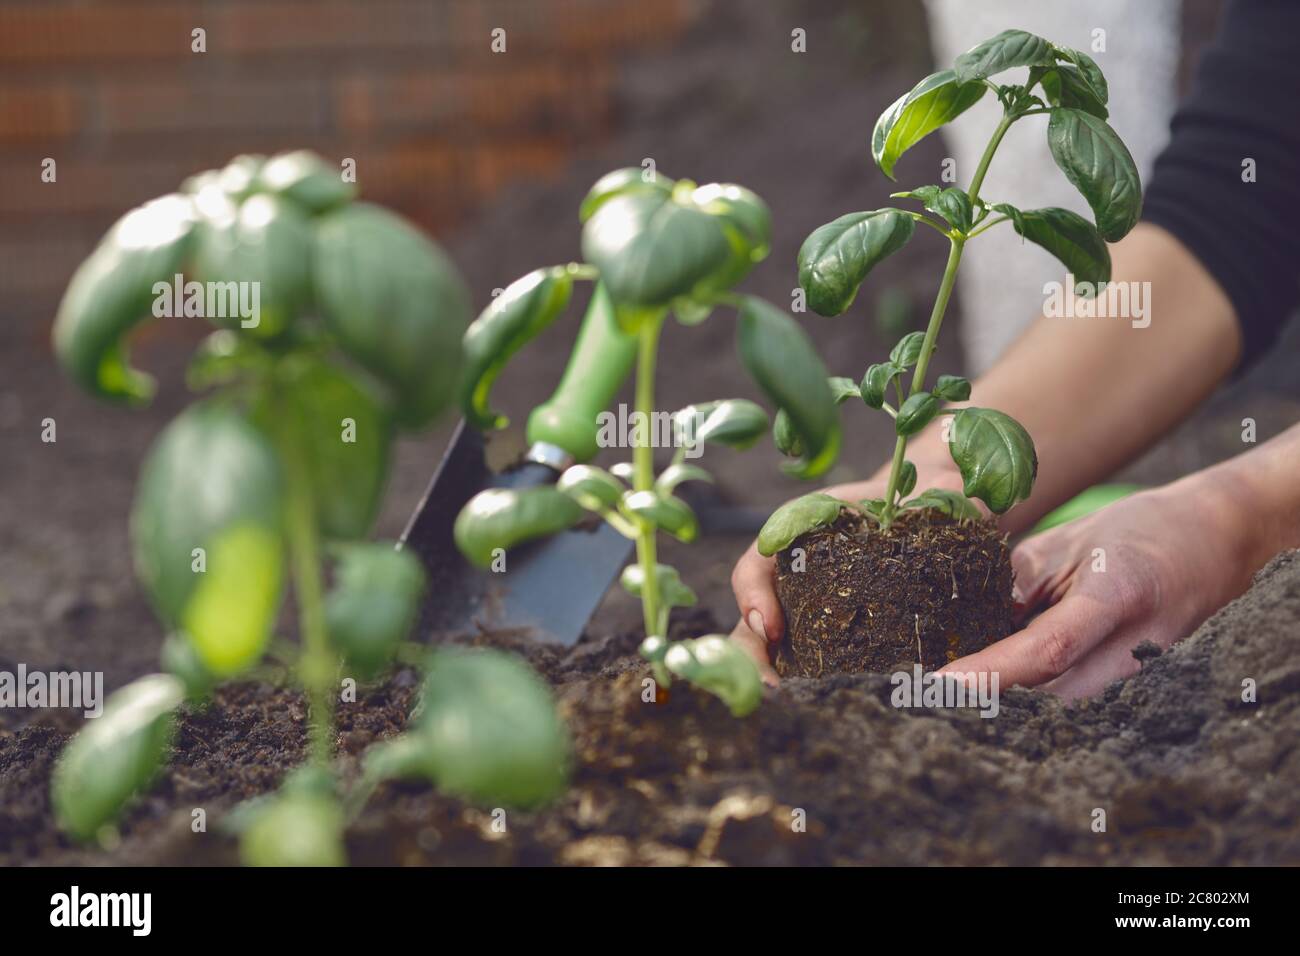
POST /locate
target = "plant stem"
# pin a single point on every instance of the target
(936, 316)
(922, 365)
(643, 470)
(317, 662)
(982, 169)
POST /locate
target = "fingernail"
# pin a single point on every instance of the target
(755, 622)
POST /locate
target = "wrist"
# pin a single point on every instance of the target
(1241, 513)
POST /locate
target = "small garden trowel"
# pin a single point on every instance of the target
(549, 587)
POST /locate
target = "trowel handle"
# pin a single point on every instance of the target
(601, 360)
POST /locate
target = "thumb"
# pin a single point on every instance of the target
(1049, 646)
(754, 583)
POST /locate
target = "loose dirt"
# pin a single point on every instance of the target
(858, 598)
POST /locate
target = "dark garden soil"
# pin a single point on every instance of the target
(928, 590)
(1185, 771)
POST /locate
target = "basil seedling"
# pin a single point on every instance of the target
(353, 335)
(994, 454)
(654, 247)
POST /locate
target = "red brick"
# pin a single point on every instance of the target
(85, 185)
(324, 26)
(39, 113)
(493, 165)
(564, 25)
(284, 103)
(523, 93)
(54, 31)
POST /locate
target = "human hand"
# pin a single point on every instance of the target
(762, 625)
(1151, 567)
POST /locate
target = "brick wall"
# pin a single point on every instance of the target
(411, 89)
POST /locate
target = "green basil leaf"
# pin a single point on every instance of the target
(782, 360)
(908, 350)
(212, 481)
(373, 604)
(305, 179)
(1008, 49)
(951, 503)
(266, 243)
(395, 303)
(915, 413)
(651, 248)
(955, 206)
(295, 829)
(874, 506)
(735, 422)
(1097, 162)
(619, 182)
(785, 437)
(835, 258)
(116, 755)
(843, 388)
(876, 382)
(488, 731)
(795, 518)
(113, 290)
(653, 649)
(1066, 235)
(952, 388)
(593, 488)
(523, 310)
(1065, 86)
(747, 224)
(665, 512)
(224, 357)
(241, 177)
(952, 204)
(346, 437)
(1088, 71)
(179, 658)
(689, 312)
(906, 479)
(671, 589)
(715, 664)
(506, 517)
(742, 211)
(995, 455)
(675, 474)
(923, 194)
(936, 100)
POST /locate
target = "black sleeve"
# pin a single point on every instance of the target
(1244, 104)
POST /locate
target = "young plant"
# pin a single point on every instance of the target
(339, 324)
(994, 454)
(654, 247)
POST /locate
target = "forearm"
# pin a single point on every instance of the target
(1094, 392)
